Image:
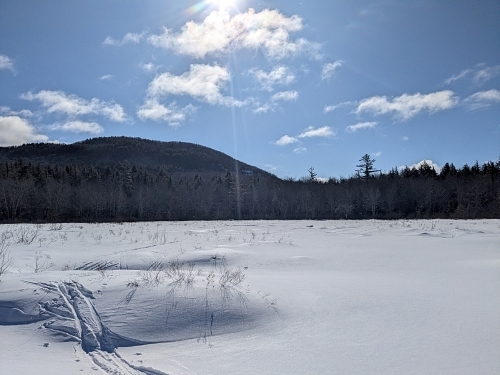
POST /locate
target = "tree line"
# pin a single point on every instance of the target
(58, 192)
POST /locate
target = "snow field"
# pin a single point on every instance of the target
(266, 297)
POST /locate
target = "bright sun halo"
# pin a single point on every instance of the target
(223, 3)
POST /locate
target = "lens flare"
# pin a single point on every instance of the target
(221, 4)
(195, 8)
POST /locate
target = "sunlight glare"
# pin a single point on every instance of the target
(223, 4)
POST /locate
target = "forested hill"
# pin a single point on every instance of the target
(119, 179)
(170, 156)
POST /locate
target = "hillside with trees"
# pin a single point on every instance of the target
(128, 179)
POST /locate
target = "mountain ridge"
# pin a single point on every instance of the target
(173, 155)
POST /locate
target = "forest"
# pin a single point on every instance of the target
(93, 182)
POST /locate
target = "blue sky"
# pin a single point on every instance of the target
(282, 85)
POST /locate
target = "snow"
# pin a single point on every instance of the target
(299, 297)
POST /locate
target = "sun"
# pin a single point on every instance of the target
(223, 4)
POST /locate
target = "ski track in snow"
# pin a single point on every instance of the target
(74, 315)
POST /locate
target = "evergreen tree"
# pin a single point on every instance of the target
(366, 169)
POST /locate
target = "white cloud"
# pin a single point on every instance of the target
(330, 108)
(324, 131)
(72, 105)
(480, 74)
(271, 167)
(268, 30)
(329, 69)
(405, 138)
(377, 154)
(359, 126)
(430, 163)
(78, 127)
(280, 75)
(128, 38)
(458, 76)
(482, 99)
(133, 37)
(172, 115)
(113, 111)
(6, 63)
(110, 41)
(202, 82)
(407, 106)
(106, 77)
(286, 140)
(264, 108)
(287, 96)
(149, 67)
(8, 112)
(15, 131)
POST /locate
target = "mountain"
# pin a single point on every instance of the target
(172, 156)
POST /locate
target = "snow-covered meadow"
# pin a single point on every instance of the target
(252, 297)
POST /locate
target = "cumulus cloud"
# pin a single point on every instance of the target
(268, 30)
(419, 165)
(15, 131)
(286, 140)
(6, 63)
(171, 114)
(78, 127)
(325, 132)
(287, 96)
(106, 77)
(480, 74)
(360, 125)
(300, 150)
(202, 82)
(280, 75)
(72, 105)
(482, 99)
(133, 38)
(407, 106)
(329, 69)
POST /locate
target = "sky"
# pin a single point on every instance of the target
(281, 85)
